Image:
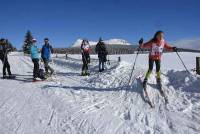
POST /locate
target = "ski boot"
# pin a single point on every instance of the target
(83, 73)
(4, 77)
(87, 73)
(52, 72)
(158, 80)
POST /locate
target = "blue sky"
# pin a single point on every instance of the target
(63, 21)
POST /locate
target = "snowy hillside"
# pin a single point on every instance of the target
(108, 42)
(102, 103)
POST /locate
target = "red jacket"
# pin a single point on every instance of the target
(156, 48)
(86, 48)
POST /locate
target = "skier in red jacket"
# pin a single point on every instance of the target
(156, 46)
(85, 50)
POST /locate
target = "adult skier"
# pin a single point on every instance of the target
(46, 52)
(156, 45)
(4, 49)
(102, 53)
(85, 50)
(35, 59)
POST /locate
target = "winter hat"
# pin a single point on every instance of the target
(46, 39)
(34, 40)
(100, 39)
(2, 40)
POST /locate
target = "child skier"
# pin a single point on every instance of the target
(85, 50)
(156, 46)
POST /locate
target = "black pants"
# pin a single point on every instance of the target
(47, 67)
(36, 68)
(101, 64)
(86, 61)
(151, 63)
(102, 60)
(6, 66)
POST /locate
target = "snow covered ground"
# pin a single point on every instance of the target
(101, 103)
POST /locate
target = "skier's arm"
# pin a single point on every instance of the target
(42, 51)
(82, 49)
(51, 48)
(146, 45)
(90, 49)
(96, 49)
(168, 47)
(7, 49)
(106, 51)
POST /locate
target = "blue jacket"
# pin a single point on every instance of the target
(46, 51)
(34, 52)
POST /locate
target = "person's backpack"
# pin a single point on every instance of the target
(41, 74)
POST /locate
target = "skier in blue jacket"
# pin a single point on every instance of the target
(47, 50)
(35, 58)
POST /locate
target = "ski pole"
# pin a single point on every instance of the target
(138, 50)
(182, 62)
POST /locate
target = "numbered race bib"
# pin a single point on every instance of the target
(86, 48)
(157, 50)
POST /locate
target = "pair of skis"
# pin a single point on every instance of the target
(147, 98)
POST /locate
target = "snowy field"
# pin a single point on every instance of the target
(102, 103)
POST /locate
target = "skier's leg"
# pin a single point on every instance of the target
(51, 69)
(48, 67)
(87, 63)
(2, 59)
(102, 65)
(148, 72)
(99, 64)
(36, 68)
(4, 67)
(158, 73)
(8, 67)
(45, 66)
(83, 67)
(150, 69)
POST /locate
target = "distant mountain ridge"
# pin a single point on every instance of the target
(108, 42)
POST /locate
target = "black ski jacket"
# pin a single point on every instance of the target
(101, 50)
(4, 49)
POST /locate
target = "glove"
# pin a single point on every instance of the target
(140, 41)
(175, 49)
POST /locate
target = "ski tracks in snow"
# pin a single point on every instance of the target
(102, 103)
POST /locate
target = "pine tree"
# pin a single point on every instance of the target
(27, 42)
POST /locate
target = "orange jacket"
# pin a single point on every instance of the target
(156, 48)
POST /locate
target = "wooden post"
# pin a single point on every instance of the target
(66, 56)
(198, 65)
(119, 59)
